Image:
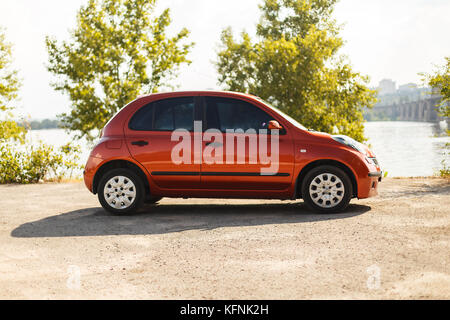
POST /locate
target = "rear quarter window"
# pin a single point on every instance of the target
(142, 120)
(165, 115)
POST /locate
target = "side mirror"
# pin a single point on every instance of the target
(274, 125)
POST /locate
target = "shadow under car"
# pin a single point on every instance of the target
(168, 218)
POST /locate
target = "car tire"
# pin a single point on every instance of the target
(121, 191)
(327, 189)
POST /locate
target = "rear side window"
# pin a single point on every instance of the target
(165, 115)
(142, 119)
(228, 113)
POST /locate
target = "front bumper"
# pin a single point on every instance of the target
(376, 174)
(368, 184)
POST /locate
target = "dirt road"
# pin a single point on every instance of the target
(57, 242)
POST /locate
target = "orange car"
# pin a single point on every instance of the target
(223, 145)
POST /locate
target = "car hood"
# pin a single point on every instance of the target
(354, 144)
(346, 140)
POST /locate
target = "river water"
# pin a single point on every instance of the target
(404, 149)
(408, 149)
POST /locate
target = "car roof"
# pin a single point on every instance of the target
(199, 93)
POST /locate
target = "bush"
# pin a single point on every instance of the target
(444, 172)
(33, 164)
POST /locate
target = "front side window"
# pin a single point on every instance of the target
(284, 115)
(165, 115)
(228, 113)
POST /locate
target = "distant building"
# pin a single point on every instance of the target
(387, 86)
(409, 87)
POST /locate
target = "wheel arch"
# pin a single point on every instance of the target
(120, 164)
(322, 162)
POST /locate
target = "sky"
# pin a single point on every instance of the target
(393, 39)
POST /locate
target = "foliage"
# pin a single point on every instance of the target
(9, 82)
(71, 160)
(9, 129)
(34, 164)
(118, 51)
(440, 81)
(20, 162)
(294, 64)
(444, 172)
(9, 86)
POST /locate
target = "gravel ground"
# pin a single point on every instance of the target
(58, 243)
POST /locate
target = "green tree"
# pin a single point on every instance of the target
(27, 163)
(440, 81)
(117, 51)
(295, 65)
(9, 87)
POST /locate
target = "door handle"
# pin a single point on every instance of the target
(139, 143)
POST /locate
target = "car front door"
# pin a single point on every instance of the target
(244, 165)
(149, 139)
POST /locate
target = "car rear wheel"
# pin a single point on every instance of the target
(327, 189)
(121, 191)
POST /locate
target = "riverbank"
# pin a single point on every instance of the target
(58, 243)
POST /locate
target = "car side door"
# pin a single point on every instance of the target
(149, 139)
(242, 167)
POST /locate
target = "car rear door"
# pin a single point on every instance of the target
(149, 139)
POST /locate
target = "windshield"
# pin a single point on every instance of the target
(284, 115)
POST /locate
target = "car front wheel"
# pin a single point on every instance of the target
(327, 189)
(121, 191)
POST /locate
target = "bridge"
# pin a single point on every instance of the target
(424, 110)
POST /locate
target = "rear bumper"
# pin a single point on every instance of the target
(89, 172)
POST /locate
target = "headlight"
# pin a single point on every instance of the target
(372, 160)
(352, 143)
